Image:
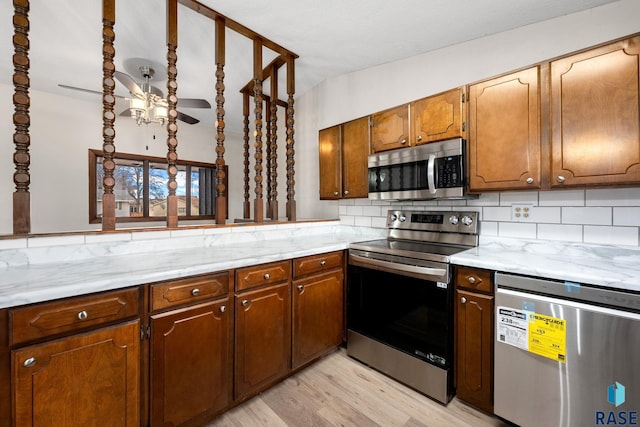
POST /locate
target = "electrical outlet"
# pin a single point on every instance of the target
(522, 213)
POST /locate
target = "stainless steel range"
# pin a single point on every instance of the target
(400, 298)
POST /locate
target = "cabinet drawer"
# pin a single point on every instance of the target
(183, 291)
(264, 274)
(56, 317)
(474, 279)
(317, 263)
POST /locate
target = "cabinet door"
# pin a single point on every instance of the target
(355, 153)
(263, 338)
(90, 379)
(190, 363)
(474, 349)
(437, 117)
(390, 129)
(595, 101)
(317, 316)
(330, 163)
(504, 132)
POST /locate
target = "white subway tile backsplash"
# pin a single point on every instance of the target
(518, 197)
(354, 210)
(362, 221)
(372, 210)
(561, 198)
(488, 228)
(566, 233)
(494, 213)
(613, 197)
(517, 229)
(590, 216)
(626, 216)
(379, 222)
(342, 210)
(611, 235)
(547, 215)
(486, 199)
(347, 220)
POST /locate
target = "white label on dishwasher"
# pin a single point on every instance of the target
(513, 327)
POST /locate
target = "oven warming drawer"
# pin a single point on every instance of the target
(424, 377)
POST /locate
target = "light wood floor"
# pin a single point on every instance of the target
(339, 391)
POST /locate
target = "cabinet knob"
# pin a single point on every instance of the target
(335, 193)
(223, 308)
(471, 279)
(83, 315)
(529, 180)
(419, 137)
(323, 263)
(300, 288)
(267, 276)
(403, 142)
(346, 192)
(245, 302)
(463, 300)
(195, 292)
(560, 179)
(29, 362)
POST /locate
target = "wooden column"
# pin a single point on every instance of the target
(108, 115)
(267, 119)
(172, 100)
(21, 118)
(258, 205)
(245, 111)
(221, 190)
(291, 88)
(273, 144)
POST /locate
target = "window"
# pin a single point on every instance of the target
(141, 188)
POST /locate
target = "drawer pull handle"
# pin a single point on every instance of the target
(267, 276)
(30, 362)
(195, 292)
(463, 300)
(472, 280)
(245, 302)
(223, 309)
(83, 315)
(300, 288)
(323, 263)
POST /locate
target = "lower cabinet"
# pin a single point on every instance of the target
(474, 324)
(81, 380)
(190, 363)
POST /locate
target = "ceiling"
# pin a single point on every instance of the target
(331, 37)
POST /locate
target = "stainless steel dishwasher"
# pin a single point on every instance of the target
(566, 354)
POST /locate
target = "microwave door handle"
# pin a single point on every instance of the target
(431, 181)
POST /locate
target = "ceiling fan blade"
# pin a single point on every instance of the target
(129, 83)
(187, 118)
(193, 103)
(85, 90)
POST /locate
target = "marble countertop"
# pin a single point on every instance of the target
(610, 266)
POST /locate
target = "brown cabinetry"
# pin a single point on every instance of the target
(262, 328)
(595, 102)
(80, 378)
(344, 150)
(434, 118)
(317, 306)
(474, 311)
(190, 350)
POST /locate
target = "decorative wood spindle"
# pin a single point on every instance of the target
(267, 119)
(245, 112)
(172, 100)
(273, 127)
(291, 202)
(21, 118)
(258, 205)
(108, 115)
(221, 190)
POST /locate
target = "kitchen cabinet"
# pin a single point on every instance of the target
(262, 327)
(344, 151)
(474, 326)
(191, 350)
(433, 118)
(317, 306)
(504, 132)
(595, 102)
(77, 361)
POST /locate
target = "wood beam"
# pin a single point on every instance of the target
(221, 189)
(266, 73)
(273, 145)
(108, 115)
(291, 88)
(258, 205)
(172, 100)
(245, 111)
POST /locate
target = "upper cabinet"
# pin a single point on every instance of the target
(504, 132)
(595, 126)
(344, 150)
(429, 119)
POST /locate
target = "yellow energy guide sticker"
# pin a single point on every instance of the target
(548, 336)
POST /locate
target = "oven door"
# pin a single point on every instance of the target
(407, 306)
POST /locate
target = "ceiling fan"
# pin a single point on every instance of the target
(147, 103)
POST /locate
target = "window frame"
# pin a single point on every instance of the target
(146, 161)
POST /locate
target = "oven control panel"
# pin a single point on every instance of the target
(439, 221)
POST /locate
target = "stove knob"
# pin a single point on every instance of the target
(403, 218)
(453, 219)
(393, 217)
(467, 220)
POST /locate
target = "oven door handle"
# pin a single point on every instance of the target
(416, 269)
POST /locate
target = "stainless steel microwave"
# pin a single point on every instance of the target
(429, 171)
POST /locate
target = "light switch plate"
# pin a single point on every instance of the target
(522, 213)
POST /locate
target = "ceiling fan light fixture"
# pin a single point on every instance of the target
(159, 113)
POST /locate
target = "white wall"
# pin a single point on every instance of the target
(358, 94)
